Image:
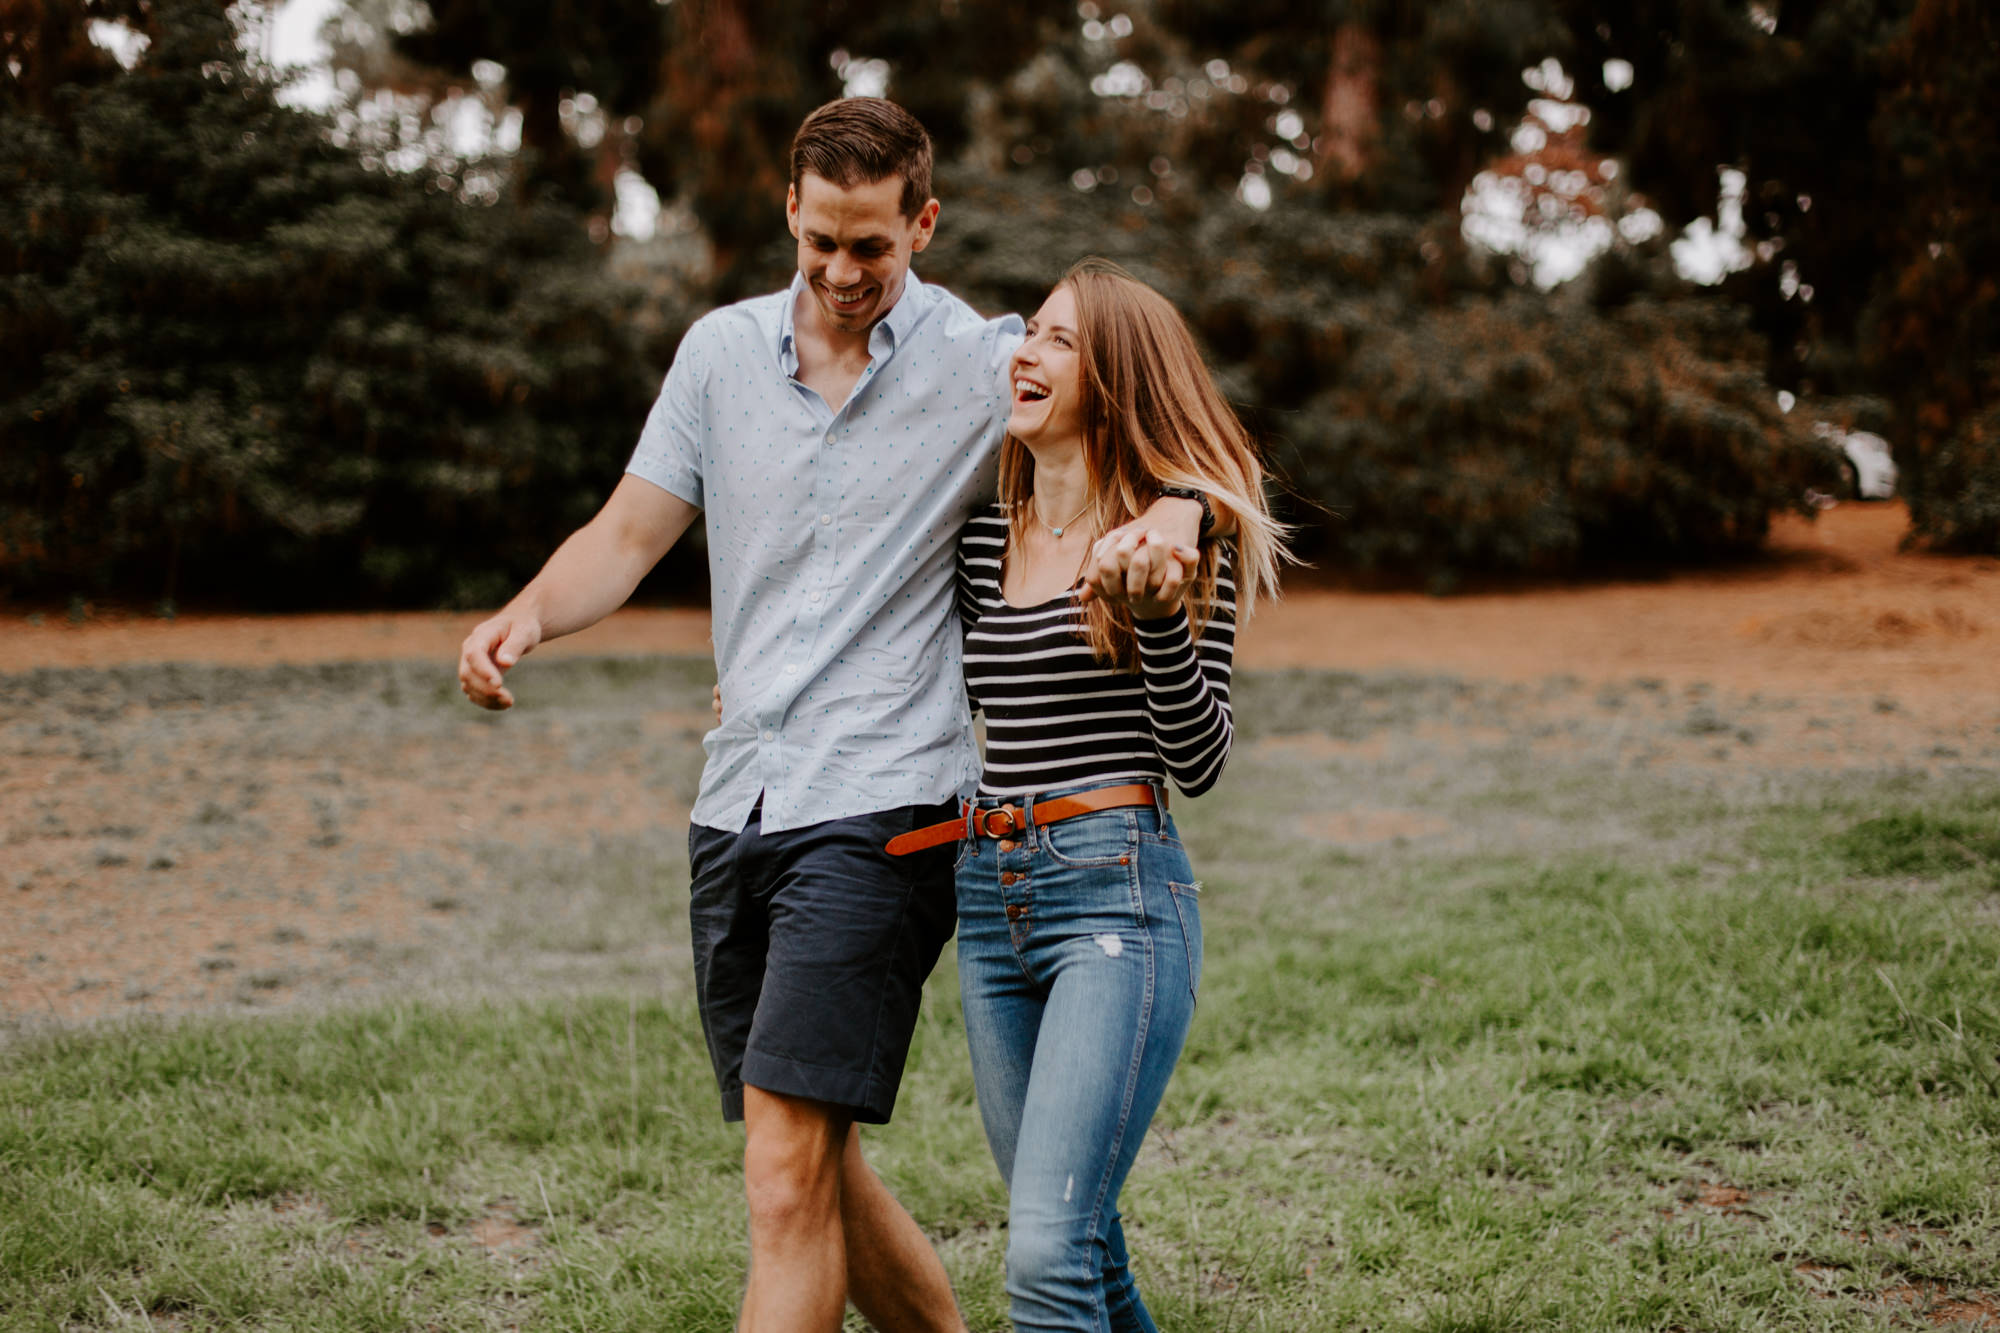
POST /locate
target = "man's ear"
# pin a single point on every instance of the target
(926, 225)
(792, 209)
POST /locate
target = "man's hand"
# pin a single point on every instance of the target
(718, 703)
(1144, 564)
(489, 651)
(588, 578)
(1138, 569)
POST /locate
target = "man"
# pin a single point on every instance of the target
(837, 435)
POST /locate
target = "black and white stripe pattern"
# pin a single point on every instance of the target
(1056, 717)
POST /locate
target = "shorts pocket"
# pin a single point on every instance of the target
(1187, 909)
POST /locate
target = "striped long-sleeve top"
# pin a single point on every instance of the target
(1058, 718)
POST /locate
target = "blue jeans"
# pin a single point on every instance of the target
(1079, 952)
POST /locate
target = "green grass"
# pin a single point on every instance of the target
(1492, 1079)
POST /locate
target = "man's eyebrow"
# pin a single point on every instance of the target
(818, 236)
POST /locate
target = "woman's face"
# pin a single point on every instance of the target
(1046, 377)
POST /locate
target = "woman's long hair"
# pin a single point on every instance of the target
(1151, 417)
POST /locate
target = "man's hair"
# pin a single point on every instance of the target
(861, 140)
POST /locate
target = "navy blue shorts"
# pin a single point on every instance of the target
(811, 947)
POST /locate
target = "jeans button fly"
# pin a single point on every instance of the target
(1008, 877)
(1008, 844)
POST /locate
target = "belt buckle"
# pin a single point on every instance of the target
(1008, 817)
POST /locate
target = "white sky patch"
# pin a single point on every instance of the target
(1617, 75)
(1555, 250)
(1709, 251)
(864, 78)
(468, 124)
(1560, 117)
(293, 45)
(1255, 191)
(637, 215)
(125, 45)
(1123, 79)
(1548, 77)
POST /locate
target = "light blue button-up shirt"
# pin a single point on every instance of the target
(832, 530)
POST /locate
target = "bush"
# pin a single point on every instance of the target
(1514, 435)
(1430, 418)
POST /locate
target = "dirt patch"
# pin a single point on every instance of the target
(163, 851)
(499, 1232)
(1835, 606)
(160, 853)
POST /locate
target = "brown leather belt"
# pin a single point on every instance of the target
(1000, 820)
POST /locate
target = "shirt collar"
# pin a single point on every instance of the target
(883, 339)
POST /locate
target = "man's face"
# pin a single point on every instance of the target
(855, 246)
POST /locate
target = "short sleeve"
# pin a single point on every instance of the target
(669, 450)
(1003, 336)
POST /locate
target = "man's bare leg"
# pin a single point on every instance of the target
(792, 1165)
(893, 1275)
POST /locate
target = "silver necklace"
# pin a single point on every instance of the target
(1057, 529)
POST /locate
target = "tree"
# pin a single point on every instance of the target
(1932, 326)
(236, 361)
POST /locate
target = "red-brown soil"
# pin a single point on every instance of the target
(255, 852)
(1836, 607)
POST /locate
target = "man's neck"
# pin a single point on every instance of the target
(818, 345)
(830, 361)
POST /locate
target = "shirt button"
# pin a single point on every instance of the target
(770, 735)
(825, 519)
(813, 598)
(791, 668)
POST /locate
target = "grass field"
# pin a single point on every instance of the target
(1544, 1007)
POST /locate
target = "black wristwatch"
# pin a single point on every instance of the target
(1190, 493)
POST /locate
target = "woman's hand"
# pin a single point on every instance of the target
(1140, 569)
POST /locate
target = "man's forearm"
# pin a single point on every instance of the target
(595, 570)
(1176, 518)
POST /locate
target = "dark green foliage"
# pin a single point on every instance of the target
(1427, 417)
(1513, 436)
(1866, 132)
(236, 362)
(1933, 328)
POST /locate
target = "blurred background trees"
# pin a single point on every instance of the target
(1505, 285)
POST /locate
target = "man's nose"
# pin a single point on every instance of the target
(842, 271)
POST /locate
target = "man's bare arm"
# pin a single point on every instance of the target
(588, 578)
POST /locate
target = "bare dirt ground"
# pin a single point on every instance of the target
(213, 811)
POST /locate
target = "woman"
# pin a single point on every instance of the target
(1079, 933)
